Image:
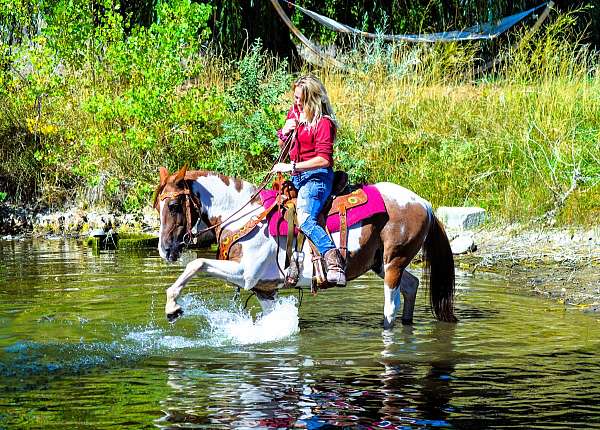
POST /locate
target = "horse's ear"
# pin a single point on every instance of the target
(180, 176)
(164, 174)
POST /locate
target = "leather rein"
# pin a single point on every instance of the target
(191, 235)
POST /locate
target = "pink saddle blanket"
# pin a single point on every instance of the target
(278, 225)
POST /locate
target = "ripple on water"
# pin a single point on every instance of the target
(78, 331)
(221, 327)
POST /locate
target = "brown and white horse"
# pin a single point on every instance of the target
(384, 243)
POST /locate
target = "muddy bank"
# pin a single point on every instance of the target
(562, 264)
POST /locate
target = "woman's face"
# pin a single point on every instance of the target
(298, 98)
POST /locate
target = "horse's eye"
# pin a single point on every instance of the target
(174, 206)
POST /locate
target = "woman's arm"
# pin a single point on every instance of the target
(302, 166)
(314, 163)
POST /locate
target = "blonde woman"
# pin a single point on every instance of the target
(311, 166)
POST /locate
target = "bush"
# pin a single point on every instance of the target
(248, 144)
(93, 105)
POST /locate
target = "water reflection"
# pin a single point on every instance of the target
(78, 331)
(259, 388)
(407, 394)
(285, 387)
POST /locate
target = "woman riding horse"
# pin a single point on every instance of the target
(311, 123)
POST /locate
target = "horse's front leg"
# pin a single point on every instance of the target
(267, 300)
(227, 270)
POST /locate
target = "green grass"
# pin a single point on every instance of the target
(517, 142)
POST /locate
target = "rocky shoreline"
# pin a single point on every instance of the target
(559, 263)
(75, 222)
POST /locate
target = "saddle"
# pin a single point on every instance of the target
(342, 198)
(341, 184)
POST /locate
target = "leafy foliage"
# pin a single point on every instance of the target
(255, 111)
(100, 99)
(92, 103)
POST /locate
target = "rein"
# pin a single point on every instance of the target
(190, 234)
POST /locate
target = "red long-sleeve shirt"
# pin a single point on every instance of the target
(312, 141)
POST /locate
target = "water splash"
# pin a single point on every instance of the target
(223, 326)
(154, 340)
(25, 359)
(235, 326)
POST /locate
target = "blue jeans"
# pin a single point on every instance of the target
(314, 186)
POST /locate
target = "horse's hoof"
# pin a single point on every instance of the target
(172, 317)
(387, 325)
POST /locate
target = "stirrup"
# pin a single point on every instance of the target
(293, 272)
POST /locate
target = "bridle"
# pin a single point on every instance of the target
(189, 236)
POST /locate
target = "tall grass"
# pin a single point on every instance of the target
(520, 142)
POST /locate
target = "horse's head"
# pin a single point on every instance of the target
(178, 210)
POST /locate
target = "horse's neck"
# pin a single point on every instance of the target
(221, 196)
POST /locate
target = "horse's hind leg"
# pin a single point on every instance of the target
(408, 286)
(395, 282)
(391, 292)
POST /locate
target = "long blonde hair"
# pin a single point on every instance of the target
(315, 101)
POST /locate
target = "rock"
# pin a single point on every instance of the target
(97, 232)
(462, 244)
(15, 219)
(461, 218)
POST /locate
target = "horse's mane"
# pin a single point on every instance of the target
(192, 175)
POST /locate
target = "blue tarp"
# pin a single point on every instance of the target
(477, 32)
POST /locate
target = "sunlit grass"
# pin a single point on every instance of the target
(513, 140)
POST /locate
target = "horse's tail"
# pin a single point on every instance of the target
(439, 271)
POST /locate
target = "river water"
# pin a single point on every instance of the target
(84, 344)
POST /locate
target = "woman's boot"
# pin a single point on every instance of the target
(335, 268)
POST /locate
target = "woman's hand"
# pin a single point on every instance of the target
(282, 167)
(289, 126)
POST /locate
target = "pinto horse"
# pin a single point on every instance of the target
(384, 243)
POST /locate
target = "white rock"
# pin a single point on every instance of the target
(463, 244)
(461, 218)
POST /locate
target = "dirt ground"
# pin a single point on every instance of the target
(562, 264)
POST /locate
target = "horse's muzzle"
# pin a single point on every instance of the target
(172, 252)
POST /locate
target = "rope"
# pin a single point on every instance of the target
(248, 299)
(311, 46)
